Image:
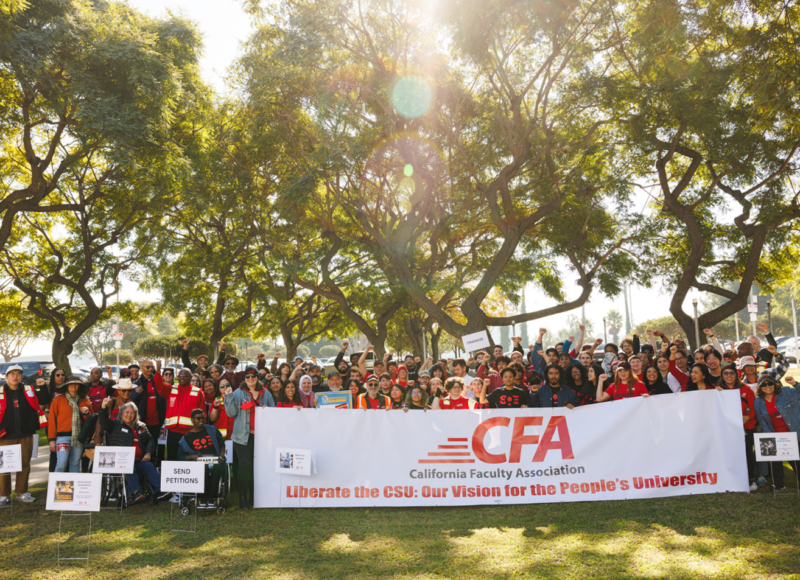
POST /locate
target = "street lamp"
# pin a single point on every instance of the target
(696, 323)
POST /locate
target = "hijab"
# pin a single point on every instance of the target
(309, 399)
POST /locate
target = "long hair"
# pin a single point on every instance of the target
(737, 384)
(692, 386)
(590, 387)
(282, 398)
(632, 380)
(51, 387)
(423, 401)
(570, 382)
(776, 393)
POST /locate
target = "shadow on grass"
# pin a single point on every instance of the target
(709, 536)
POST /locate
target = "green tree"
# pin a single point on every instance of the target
(97, 99)
(614, 319)
(705, 94)
(19, 325)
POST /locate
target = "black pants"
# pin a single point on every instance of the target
(172, 445)
(155, 433)
(213, 475)
(778, 476)
(750, 453)
(245, 454)
(53, 459)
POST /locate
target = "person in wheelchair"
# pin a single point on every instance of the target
(127, 431)
(204, 441)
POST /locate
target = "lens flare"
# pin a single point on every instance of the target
(412, 96)
(408, 170)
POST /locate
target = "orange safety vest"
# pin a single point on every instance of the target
(32, 401)
(179, 409)
(383, 401)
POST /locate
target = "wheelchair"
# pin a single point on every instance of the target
(114, 492)
(212, 499)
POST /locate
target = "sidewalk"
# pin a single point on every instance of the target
(39, 467)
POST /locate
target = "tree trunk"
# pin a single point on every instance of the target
(61, 351)
(435, 336)
(289, 343)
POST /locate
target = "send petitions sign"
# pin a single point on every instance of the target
(661, 446)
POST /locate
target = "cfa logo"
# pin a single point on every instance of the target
(518, 439)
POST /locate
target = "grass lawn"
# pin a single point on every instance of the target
(705, 536)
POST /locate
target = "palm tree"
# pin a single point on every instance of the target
(615, 320)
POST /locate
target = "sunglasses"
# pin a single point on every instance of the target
(60, 375)
(251, 377)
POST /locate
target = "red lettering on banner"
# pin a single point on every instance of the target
(479, 435)
(518, 437)
(564, 443)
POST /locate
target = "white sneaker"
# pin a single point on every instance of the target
(26, 498)
(4, 500)
(176, 498)
(753, 486)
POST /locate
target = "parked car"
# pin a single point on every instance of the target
(31, 370)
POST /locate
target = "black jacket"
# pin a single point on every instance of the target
(141, 401)
(120, 435)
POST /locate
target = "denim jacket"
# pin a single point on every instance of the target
(788, 404)
(241, 417)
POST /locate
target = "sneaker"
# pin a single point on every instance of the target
(175, 499)
(5, 500)
(753, 486)
(138, 498)
(761, 481)
(777, 489)
(26, 497)
(162, 496)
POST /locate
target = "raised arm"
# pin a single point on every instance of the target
(601, 395)
(362, 367)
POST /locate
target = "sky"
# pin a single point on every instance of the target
(225, 26)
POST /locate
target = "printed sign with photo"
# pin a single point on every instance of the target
(10, 458)
(74, 492)
(113, 460)
(162, 437)
(776, 447)
(293, 461)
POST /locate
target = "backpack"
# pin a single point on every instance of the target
(87, 430)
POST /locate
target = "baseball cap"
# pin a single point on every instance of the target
(765, 378)
(624, 365)
(312, 367)
(13, 368)
(372, 379)
(332, 373)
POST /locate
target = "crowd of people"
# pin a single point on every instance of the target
(192, 412)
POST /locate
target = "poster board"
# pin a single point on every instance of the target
(115, 460)
(293, 461)
(78, 492)
(476, 341)
(183, 476)
(334, 400)
(776, 447)
(11, 458)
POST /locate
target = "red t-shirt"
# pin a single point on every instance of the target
(748, 406)
(152, 406)
(96, 396)
(460, 403)
(289, 405)
(253, 413)
(620, 391)
(775, 417)
(138, 450)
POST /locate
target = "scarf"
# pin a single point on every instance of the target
(76, 418)
(309, 399)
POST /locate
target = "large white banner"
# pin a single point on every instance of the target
(660, 446)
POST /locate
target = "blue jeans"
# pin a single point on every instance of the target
(68, 455)
(150, 472)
